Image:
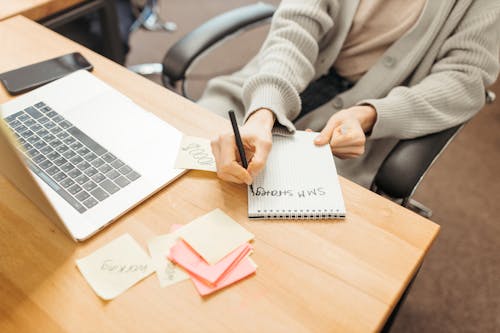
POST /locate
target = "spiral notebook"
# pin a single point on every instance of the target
(299, 182)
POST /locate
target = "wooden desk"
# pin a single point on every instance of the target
(312, 276)
(34, 9)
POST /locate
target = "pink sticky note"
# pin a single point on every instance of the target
(243, 269)
(187, 258)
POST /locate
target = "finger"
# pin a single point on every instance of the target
(258, 161)
(347, 136)
(230, 178)
(326, 134)
(309, 130)
(228, 160)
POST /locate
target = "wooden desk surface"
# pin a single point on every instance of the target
(312, 276)
(34, 9)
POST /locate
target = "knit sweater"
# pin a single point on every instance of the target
(432, 78)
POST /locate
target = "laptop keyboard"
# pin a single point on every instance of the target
(79, 169)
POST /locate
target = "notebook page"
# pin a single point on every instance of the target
(299, 181)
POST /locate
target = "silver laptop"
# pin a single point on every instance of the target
(85, 153)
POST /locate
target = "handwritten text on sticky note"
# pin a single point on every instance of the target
(115, 267)
(195, 153)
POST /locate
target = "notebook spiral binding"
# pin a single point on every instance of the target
(298, 215)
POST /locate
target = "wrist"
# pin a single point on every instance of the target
(264, 117)
(367, 116)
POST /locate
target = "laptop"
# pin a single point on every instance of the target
(84, 153)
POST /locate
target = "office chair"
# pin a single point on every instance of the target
(403, 169)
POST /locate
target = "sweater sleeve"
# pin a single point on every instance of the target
(287, 57)
(454, 91)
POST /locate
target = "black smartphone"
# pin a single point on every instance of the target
(29, 77)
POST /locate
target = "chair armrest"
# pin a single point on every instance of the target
(407, 163)
(180, 56)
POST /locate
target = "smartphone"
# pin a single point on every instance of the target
(22, 79)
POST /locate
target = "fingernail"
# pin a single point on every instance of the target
(318, 138)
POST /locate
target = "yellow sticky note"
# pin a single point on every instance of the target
(115, 267)
(195, 153)
(214, 235)
(159, 248)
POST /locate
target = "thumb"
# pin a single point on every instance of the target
(259, 158)
(325, 135)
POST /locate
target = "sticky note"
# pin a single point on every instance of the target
(195, 153)
(244, 268)
(214, 235)
(167, 272)
(184, 256)
(115, 267)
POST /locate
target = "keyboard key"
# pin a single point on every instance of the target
(88, 141)
(105, 168)
(74, 173)
(58, 118)
(69, 141)
(99, 194)
(40, 105)
(67, 182)
(117, 164)
(60, 176)
(61, 149)
(51, 114)
(49, 124)
(90, 157)
(36, 127)
(91, 171)
(60, 161)
(46, 164)
(27, 134)
(15, 123)
(98, 177)
(84, 165)
(122, 181)
(29, 122)
(46, 150)
(67, 167)
(76, 145)
(53, 155)
(77, 159)
(56, 143)
(33, 112)
(112, 174)
(43, 120)
(82, 196)
(34, 139)
(56, 130)
(125, 169)
(69, 154)
(109, 157)
(63, 135)
(133, 176)
(89, 186)
(82, 179)
(52, 170)
(39, 159)
(65, 124)
(21, 128)
(83, 151)
(74, 189)
(23, 117)
(109, 186)
(97, 162)
(46, 109)
(33, 153)
(90, 202)
(43, 133)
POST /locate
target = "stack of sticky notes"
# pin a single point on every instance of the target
(214, 250)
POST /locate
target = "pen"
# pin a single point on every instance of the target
(239, 143)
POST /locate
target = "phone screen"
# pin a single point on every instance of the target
(25, 78)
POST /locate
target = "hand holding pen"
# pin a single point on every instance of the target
(256, 142)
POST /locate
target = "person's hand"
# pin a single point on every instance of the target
(256, 135)
(345, 131)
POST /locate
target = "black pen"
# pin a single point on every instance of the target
(239, 143)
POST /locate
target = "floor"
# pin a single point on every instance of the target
(458, 287)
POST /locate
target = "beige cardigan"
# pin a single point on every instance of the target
(431, 79)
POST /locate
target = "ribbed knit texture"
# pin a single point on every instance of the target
(431, 79)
